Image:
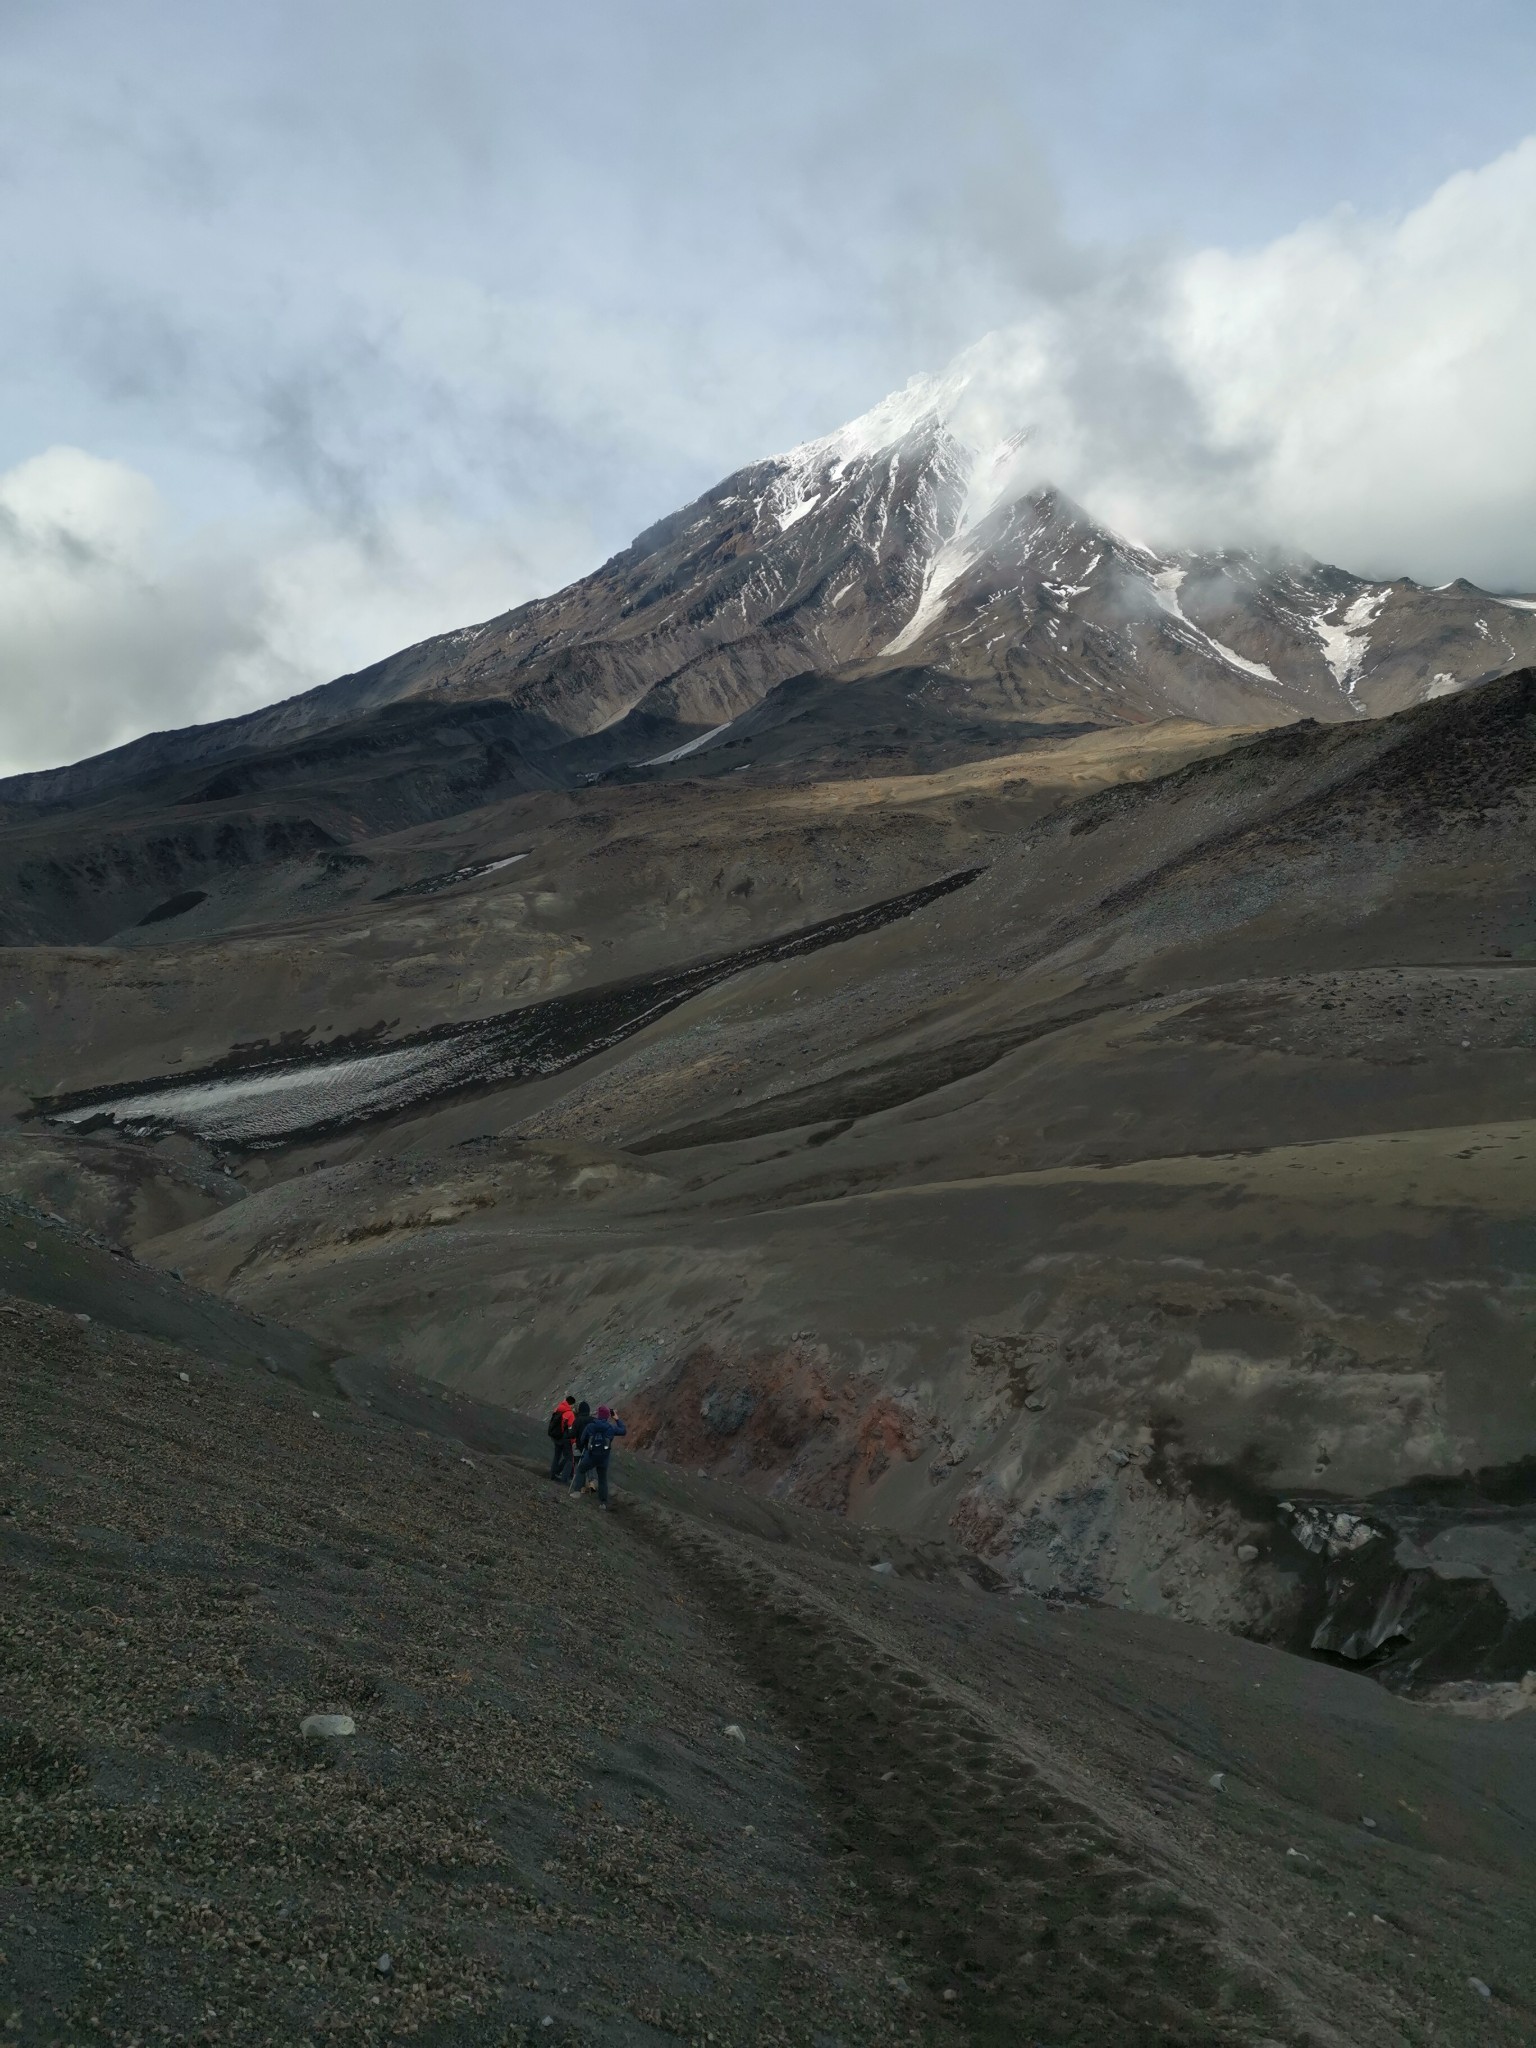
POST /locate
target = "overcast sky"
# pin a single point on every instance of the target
(329, 325)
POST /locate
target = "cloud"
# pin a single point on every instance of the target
(1381, 374)
(111, 625)
(410, 325)
(1359, 389)
(101, 635)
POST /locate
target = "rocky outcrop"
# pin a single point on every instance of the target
(779, 1421)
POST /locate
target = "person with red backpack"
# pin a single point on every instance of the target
(562, 1434)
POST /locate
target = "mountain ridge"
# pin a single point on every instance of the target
(891, 542)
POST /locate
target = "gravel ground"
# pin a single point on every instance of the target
(540, 1822)
(687, 1771)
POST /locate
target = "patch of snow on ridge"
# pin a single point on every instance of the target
(1346, 643)
(1517, 604)
(788, 501)
(1165, 588)
(258, 1105)
(1443, 684)
(689, 746)
(946, 568)
(884, 426)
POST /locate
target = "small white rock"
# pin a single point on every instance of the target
(82, 1319)
(1483, 1990)
(328, 1725)
(1366, 1821)
(734, 1732)
(316, 1413)
(884, 1567)
(185, 1378)
(1217, 1781)
(385, 1964)
(1247, 1553)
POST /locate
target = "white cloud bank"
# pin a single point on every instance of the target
(104, 629)
(111, 625)
(1359, 389)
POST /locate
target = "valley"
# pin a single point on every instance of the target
(1059, 1122)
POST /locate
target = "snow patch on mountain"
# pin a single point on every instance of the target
(922, 401)
(688, 747)
(1165, 584)
(1347, 641)
(944, 570)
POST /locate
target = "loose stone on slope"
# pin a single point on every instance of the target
(327, 1726)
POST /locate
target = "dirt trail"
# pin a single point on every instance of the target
(1016, 1903)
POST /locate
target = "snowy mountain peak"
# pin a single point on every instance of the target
(917, 549)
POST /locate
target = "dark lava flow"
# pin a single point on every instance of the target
(253, 1105)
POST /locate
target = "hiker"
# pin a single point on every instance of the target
(596, 1446)
(562, 1434)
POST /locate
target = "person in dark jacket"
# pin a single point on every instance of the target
(595, 1444)
(562, 1434)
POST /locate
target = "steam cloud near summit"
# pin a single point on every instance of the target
(437, 443)
(1359, 390)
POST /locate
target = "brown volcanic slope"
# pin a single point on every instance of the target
(1151, 1214)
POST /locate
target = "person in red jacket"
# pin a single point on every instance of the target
(562, 1434)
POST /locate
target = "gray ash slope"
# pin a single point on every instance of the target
(514, 1847)
(254, 1102)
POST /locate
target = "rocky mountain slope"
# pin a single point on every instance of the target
(894, 544)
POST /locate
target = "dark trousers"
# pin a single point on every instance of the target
(560, 1464)
(593, 1461)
